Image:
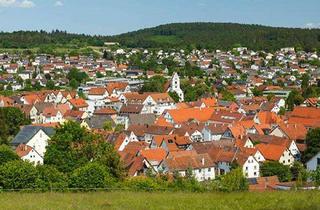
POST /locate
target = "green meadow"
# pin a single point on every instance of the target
(161, 200)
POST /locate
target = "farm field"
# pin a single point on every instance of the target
(163, 200)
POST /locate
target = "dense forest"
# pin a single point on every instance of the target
(222, 36)
(177, 35)
(31, 39)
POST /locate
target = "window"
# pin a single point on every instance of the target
(209, 169)
(318, 161)
(199, 170)
(255, 167)
(284, 161)
(255, 173)
(246, 168)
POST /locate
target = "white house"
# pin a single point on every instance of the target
(250, 166)
(35, 137)
(313, 163)
(29, 154)
(200, 165)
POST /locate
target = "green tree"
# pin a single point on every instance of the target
(257, 92)
(313, 144)
(18, 175)
(234, 181)
(11, 119)
(294, 99)
(7, 154)
(274, 168)
(174, 96)
(99, 74)
(91, 175)
(305, 78)
(227, 96)
(75, 75)
(154, 84)
(119, 128)
(50, 85)
(49, 177)
(73, 146)
(107, 125)
(315, 176)
(74, 84)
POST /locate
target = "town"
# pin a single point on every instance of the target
(173, 112)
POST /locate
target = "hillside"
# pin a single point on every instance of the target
(221, 36)
(31, 39)
(179, 35)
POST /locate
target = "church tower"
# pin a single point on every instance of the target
(175, 86)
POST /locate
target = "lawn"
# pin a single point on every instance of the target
(178, 200)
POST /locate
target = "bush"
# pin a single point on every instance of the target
(142, 183)
(274, 168)
(7, 154)
(233, 181)
(92, 175)
(50, 178)
(18, 175)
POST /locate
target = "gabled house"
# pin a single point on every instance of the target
(200, 165)
(280, 153)
(213, 132)
(97, 93)
(78, 104)
(34, 136)
(29, 154)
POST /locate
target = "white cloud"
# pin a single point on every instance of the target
(58, 4)
(27, 4)
(312, 25)
(7, 3)
(17, 3)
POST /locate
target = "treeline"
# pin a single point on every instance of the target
(31, 39)
(178, 35)
(221, 36)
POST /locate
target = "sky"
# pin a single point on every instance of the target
(109, 17)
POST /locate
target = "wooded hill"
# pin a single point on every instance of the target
(177, 35)
(221, 36)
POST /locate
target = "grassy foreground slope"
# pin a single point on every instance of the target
(178, 200)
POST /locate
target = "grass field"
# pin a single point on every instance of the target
(175, 201)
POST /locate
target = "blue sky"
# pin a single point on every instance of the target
(107, 17)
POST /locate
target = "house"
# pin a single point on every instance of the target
(51, 115)
(97, 122)
(313, 163)
(97, 93)
(308, 116)
(199, 165)
(250, 166)
(280, 153)
(213, 132)
(78, 104)
(157, 103)
(296, 132)
(222, 154)
(115, 89)
(179, 116)
(270, 139)
(34, 136)
(29, 154)
(154, 156)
